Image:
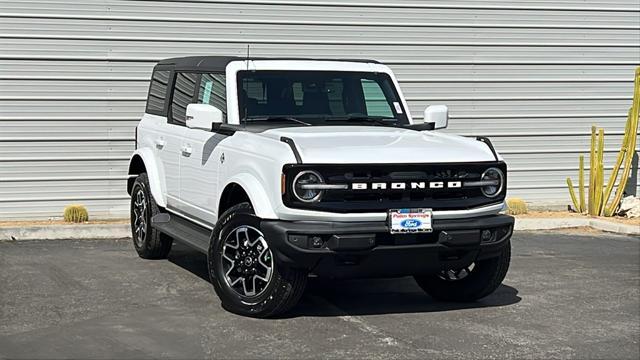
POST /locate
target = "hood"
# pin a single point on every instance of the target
(380, 145)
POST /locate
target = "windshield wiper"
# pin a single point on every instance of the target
(276, 118)
(362, 118)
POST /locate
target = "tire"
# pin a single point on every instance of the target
(148, 242)
(482, 280)
(239, 260)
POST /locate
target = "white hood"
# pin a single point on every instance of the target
(375, 144)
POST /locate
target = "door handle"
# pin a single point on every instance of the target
(160, 143)
(186, 150)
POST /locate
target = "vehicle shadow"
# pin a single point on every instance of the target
(384, 296)
(189, 259)
(326, 297)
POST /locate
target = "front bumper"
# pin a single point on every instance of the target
(367, 249)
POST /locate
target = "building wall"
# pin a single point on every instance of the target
(532, 75)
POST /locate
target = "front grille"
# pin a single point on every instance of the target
(369, 199)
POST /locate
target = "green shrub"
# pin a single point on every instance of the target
(76, 214)
(516, 206)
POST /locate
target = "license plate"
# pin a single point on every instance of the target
(403, 221)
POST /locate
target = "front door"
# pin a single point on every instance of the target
(200, 162)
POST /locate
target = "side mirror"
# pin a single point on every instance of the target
(203, 116)
(438, 115)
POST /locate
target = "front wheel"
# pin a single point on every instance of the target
(243, 270)
(468, 284)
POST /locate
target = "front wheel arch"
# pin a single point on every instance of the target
(233, 194)
(255, 192)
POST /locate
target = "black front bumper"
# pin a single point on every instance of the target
(367, 249)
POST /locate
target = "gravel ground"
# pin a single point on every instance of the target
(566, 295)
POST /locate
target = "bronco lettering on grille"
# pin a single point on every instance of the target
(403, 185)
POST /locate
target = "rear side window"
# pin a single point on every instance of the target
(183, 93)
(157, 92)
(213, 91)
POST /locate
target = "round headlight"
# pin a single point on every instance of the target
(303, 186)
(494, 179)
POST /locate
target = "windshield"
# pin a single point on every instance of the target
(319, 98)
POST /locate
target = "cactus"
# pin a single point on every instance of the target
(582, 207)
(629, 147)
(596, 177)
(599, 174)
(516, 206)
(616, 167)
(76, 214)
(572, 194)
(592, 172)
(598, 198)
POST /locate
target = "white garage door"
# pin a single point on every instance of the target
(532, 75)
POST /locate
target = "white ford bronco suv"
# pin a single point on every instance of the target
(278, 169)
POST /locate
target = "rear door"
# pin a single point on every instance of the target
(154, 130)
(199, 166)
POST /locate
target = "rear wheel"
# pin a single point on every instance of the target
(148, 242)
(243, 271)
(470, 283)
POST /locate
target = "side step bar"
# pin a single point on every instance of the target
(182, 230)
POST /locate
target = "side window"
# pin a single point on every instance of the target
(157, 92)
(213, 91)
(375, 100)
(183, 92)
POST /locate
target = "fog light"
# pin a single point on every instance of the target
(486, 235)
(316, 242)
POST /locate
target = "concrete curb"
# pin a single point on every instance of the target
(549, 223)
(121, 231)
(563, 223)
(614, 227)
(63, 232)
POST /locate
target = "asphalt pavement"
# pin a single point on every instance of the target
(567, 295)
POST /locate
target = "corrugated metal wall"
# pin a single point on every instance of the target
(532, 75)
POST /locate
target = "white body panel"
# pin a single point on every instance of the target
(192, 182)
(380, 145)
(172, 137)
(199, 174)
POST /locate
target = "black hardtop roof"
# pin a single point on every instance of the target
(219, 63)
